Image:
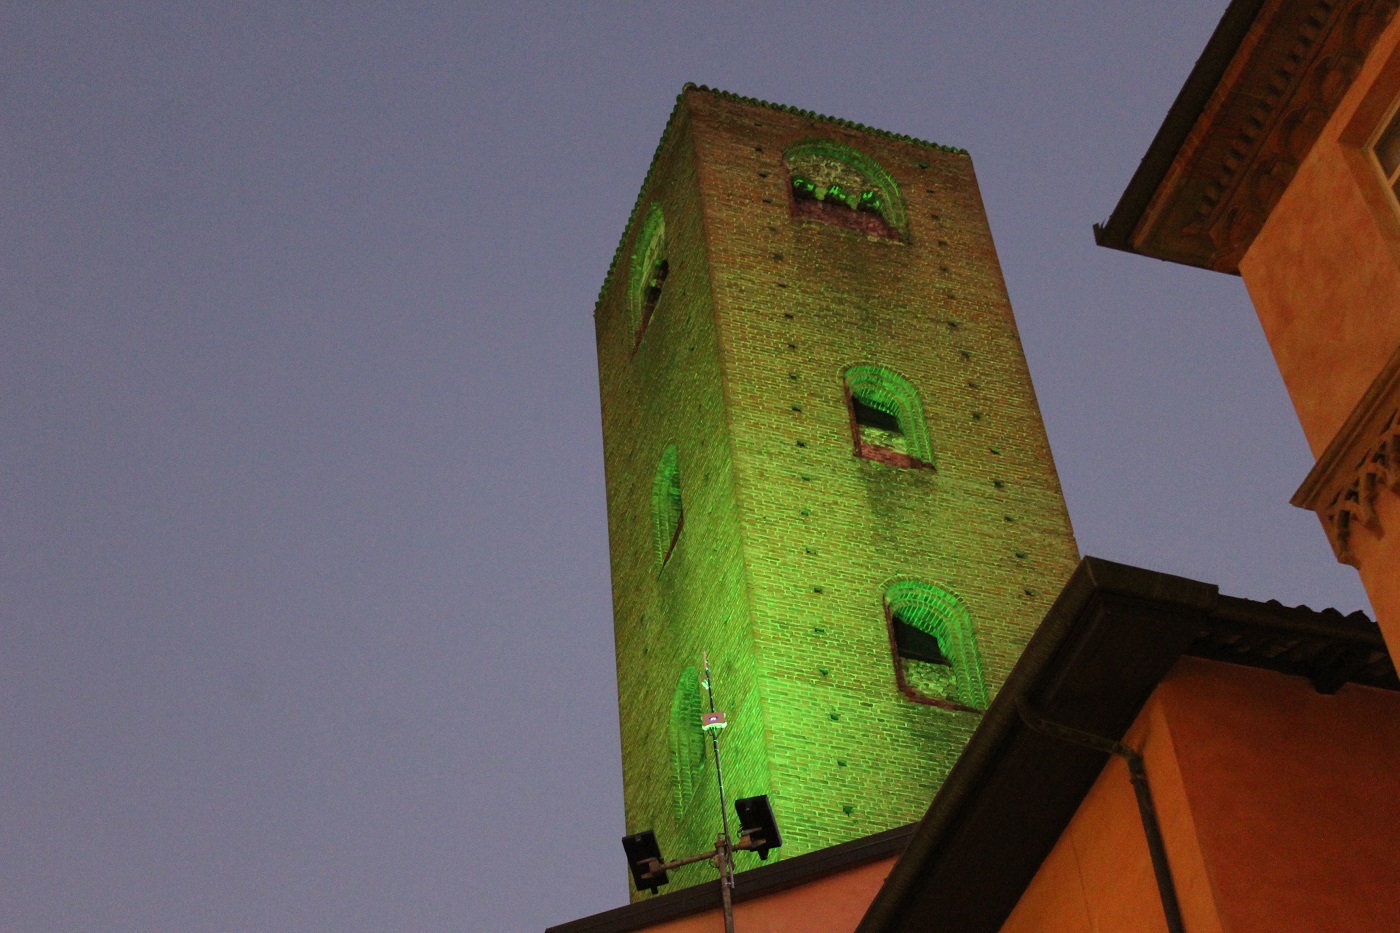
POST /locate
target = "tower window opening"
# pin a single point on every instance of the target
(935, 654)
(887, 419)
(653, 292)
(877, 427)
(914, 644)
(687, 742)
(667, 509)
(835, 184)
(650, 267)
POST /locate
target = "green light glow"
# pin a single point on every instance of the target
(884, 390)
(800, 370)
(667, 511)
(825, 166)
(687, 741)
(937, 612)
(648, 271)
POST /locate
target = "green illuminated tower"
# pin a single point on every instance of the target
(825, 466)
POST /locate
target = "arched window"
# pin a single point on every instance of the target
(648, 273)
(935, 652)
(836, 184)
(887, 418)
(687, 741)
(667, 514)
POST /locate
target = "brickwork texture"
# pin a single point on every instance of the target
(790, 538)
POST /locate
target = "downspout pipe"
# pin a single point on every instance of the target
(1137, 772)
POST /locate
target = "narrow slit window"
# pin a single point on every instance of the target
(667, 508)
(687, 742)
(650, 268)
(653, 293)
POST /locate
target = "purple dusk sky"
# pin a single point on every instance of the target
(304, 605)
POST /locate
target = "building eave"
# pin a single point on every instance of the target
(1109, 639)
(1256, 101)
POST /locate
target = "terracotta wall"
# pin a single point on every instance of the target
(1324, 271)
(1277, 805)
(1324, 274)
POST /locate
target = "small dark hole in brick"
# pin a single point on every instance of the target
(782, 285)
(817, 589)
(995, 450)
(998, 484)
(847, 809)
(1007, 518)
(840, 762)
(757, 148)
(972, 385)
(923, 165)
(976, 416)
(929, 191)
(953, 325)
(965, 354)
(806, 478)
(818, 630)
(767, 200)
(788, 315)
(810, 550)
(805, 513)
(801, 443)
(797, 408)
(793, 376)
(942, 243)
(762, 174)
(778, 257)
(935, 217)
(1021, 555)
(836, 717)
(942, 268)
(792, 346)
(1030, 592)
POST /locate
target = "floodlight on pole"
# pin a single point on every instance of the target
(758, 830)
(644, 858)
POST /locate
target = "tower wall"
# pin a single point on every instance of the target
(796, 538)
(669, 389)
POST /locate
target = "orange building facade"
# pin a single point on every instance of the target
(1278, 162)
(1268, 827)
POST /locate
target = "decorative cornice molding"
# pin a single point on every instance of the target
(1269, 108)
(1362, 460)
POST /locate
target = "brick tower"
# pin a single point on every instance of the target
(825, 466)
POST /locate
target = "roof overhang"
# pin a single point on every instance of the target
(1257, 100)
(1109, 639)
